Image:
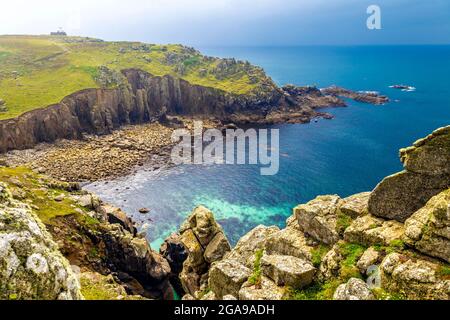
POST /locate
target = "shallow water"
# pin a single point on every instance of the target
(346, 155)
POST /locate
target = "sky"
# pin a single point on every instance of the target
(233, 22)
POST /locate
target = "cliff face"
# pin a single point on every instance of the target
(99, 111)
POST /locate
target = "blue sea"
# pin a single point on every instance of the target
(343, 156)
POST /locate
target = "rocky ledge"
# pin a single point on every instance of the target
(332, 247)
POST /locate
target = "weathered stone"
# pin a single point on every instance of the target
(255, 240)
(355, 205)
(330, 265)
(414, 278)
(429, 155)
(369, 230)
(209, 296)
(187, 297)
(292, 222)
(89, 201)
(354, 289)
(428, 229)
(217, 248)
(203, 224)
(194, 249)
(227, 276)
(289, 242)
(287, 270)
(229, 297)
(369, 258)
(318, 218)
(266, 290)
(400, 195)
(31, 266)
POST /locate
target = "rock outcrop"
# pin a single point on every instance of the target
(199, 243)
(428, 229)
(426, 174)
(31, 266)
(414, 278)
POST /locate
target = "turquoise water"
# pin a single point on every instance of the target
(346, 155)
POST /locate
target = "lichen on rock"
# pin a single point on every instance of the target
(31, 266)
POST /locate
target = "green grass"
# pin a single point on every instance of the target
(255, 278)
(318, 253)
(33, 187)
(37, 71)
(444, 271)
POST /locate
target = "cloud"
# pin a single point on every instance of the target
(232, 22)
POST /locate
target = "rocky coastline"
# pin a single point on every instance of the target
(60, 242)
(100, 134)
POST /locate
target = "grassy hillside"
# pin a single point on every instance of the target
(36, 71)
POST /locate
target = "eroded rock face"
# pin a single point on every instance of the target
(414, 278)
(31, 266)
(426, 174)
(428, 229)
(369, 258)
(290, 242)
(204, 242)
(354, 289)
(369, 230)
(318, 218)
(288, 270)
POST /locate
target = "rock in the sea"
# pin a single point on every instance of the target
(144, 210)
(355, 205)
(354, 289)
(426, 174)
(31, 266)
(265, 290)
(288, 270)
(255, 240)
(369, 230)
(318, 218)
(428, 229)
(226, 277)
(414, 278)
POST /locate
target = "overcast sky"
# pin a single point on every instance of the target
(233, 22)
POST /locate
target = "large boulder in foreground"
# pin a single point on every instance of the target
(427, 172)
(318, 218)
(31, 266)
(428, 229)
(414, 278)
(226, 277)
